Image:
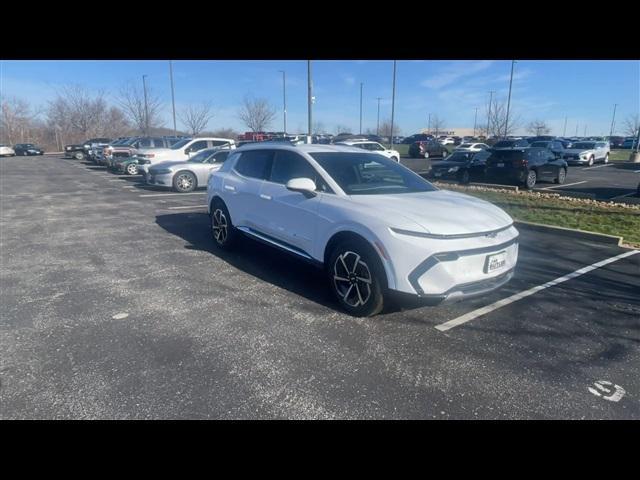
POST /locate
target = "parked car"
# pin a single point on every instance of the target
(588, 153)
(615, 142)
(447, 141)
(6, 151)
(461, 165)
(629, 142)
(93, 148)
(540, 138)
(427, 149)
(372, 147)
(418, 137)
(525, 166)
(187, 176)
(130, 147)
(27, 149)
(180, 151)
(80, 151)
(372, 224)
(472, 147)
(510, 144)
(554, 145)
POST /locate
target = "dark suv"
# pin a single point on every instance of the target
(555, 146)
(510, 144)
(525, 166)
(427, 149)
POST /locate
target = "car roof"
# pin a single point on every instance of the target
(305, 148)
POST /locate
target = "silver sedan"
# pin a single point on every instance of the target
(186, 176)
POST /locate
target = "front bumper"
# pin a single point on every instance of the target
(451, 269)
(163, 180)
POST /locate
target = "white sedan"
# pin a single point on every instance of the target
(372, 147)
(472, 147)
(6, 151)
(372, 224)
(447, 141)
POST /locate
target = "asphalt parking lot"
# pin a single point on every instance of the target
(115, 304)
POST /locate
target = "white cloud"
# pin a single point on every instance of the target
(455, 71)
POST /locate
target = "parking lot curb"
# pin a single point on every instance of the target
(495, 186)
(572, 232)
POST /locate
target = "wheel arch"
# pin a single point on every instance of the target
(344, 235)
(195, 177)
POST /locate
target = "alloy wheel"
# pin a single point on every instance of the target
(352, 279)
(132, 169)
(184, 182)
(220, 226)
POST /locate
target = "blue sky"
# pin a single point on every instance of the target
(583, 91)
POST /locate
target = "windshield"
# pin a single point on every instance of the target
(202, 156)
(584, 145)
(460, 157)
(180, 144)
(370, 174)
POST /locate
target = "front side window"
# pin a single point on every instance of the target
(288, 165)
(220, 157)
(201, 157)
(370, 174)
(180, 144)
(218, 143)
(255, 164)
(145, 143)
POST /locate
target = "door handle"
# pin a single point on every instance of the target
(266, 197)
(229, 187)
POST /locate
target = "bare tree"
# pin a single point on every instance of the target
(256, 113)
(385, 129)
(196, 117)
(115, 123)
(131, 99)
(318, 127)
(80, 113)
(498, 119)
(538, 127)
(631, 125)
(16, 115)
(342, 129)
(437, 125)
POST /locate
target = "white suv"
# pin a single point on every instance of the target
(371, 223)
(372, 147)
(180, 151)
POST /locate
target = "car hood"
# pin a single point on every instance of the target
(169, 164)
(576, 151)
(439, 212)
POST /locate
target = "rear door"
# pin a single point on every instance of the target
(546, 168)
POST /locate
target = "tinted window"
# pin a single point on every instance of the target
(288, 165)
(180, 144)
(255, 164)
(202, 157)
(197, 146)
(507, 155)
(220, 157)
(370, 174)
(158, 142)
(460, 157)
(145, 143)
(218, 143)
(504, 144)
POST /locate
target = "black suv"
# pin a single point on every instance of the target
(81, 151)
(510, 144)
(27, 149)
(525, 166)
(427, 149)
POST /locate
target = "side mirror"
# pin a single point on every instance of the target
(306, 186)
(187, 151)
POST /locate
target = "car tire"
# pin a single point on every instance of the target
(606, 158)
(426, 155)
(222, 230)
(184, 182)
(562, 176)
(78, 156)
(356, 278)
(530, 181)
(591, 161)
(465, 177)
(132, 169)
(24, 154)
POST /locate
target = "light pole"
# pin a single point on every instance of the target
(506, 123)
(475, 122)
(393, 102)
(613, 120)
(378, 122)
(284, 100)
(489, 111)
(309, 97)
(585, 131)
(564, 130)
(173, 99)
(429, 124)
(361, 84)
(146, 108)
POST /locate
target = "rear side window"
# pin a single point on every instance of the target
(145, 143)
(197, 146)
(288, 165)
(220, 157)
(255, 164)
(218, 143)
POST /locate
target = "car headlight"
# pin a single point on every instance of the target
(453, 169)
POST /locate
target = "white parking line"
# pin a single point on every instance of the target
(171, 194)
(622, 196)
(518, 296)
(186, 207)
(599, 166)
(564, 185)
